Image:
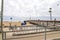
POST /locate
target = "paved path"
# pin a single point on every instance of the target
(39, 36)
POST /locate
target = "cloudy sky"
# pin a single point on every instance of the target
(31, 8)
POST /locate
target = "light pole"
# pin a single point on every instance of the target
(2, 18)
(35, 10)
(11, 22)
(50, 13)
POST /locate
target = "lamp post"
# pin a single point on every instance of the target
(11, 22)
(50, 13)
(2, 18)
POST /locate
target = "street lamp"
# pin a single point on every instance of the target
(11, 19)
(11, 22)
(2, 18)
(50, 13)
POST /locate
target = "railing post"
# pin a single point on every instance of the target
(40, 22)
(47, 23)
(54, 22)
(44, 31)
(4, 35)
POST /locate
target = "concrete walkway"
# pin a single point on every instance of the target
(39, 36)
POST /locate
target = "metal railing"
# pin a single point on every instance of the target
(28, 30)
(37, 27)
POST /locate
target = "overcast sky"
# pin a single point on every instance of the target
(31, 8)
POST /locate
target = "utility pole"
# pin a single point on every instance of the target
(2, 3)
(50, 13)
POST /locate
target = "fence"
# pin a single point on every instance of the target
(34, 29)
